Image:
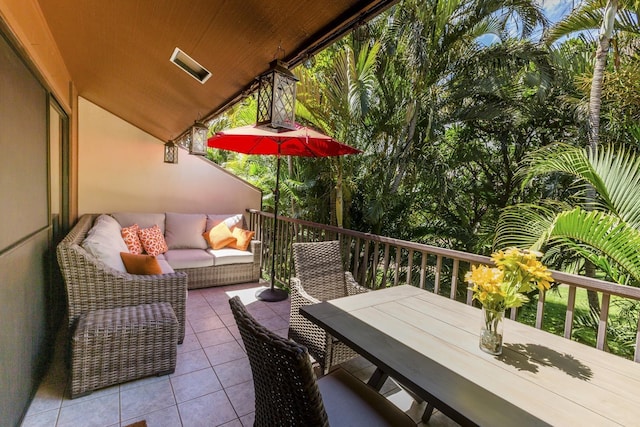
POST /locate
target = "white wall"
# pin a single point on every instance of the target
(121, 168)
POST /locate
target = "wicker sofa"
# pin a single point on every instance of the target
(205, 267)
(94, 284)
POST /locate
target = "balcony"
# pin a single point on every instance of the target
(212, 384)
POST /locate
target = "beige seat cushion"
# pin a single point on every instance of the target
(226, 256)
(349, 401)
(164, 265)
(188, 258)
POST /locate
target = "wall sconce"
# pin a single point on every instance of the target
(170, 152)
(277, 98)
(198, 139)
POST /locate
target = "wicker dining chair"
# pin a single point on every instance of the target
(319, 276)
(287, 392)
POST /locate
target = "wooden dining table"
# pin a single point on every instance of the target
(429, 344)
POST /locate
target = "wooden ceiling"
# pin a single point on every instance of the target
(118, 51)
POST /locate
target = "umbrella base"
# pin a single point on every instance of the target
(272, 295)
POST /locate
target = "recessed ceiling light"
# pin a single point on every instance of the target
(190, 66)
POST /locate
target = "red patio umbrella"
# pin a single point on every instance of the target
(302, 141)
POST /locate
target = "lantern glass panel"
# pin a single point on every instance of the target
(198, 139)
(170, 153)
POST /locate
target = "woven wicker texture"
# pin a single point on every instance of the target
(92, 285)
(115, 345)
(220, 275)
(320, 276)
(286, 392)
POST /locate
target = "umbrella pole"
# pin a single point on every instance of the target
(272, 294)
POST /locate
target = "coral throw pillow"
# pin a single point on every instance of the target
(243, 238)
(219, 236)
(130, 236)
(140, 264)
(152, 240)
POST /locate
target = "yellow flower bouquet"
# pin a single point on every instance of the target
(516, 273)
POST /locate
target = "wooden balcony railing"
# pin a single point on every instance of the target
(378, 262)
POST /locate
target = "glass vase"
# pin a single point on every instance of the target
(491, 331)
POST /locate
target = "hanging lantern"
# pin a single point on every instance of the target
(198, 139)
(170, 152)
(277, 98)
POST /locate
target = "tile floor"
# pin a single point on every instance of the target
(212, 383)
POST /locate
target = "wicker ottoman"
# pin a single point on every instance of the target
(122, 344)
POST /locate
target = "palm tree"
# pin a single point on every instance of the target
(611, 17)
(607, 236)
(336, 101)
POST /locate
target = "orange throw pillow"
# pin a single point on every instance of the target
(152, 240)
(243, 238)
(140, 264)
(219, 236)
(130, 236)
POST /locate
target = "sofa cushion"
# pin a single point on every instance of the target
(243, 238)
(184, 231)
(105, 242)
(131, 239)
(152, 240)
(228, 256)
(230, 219)
(164, 265)
(144, 220)
(140, 264)
(219, 236)
(188, 258)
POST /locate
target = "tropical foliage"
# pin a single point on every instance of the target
(448, 99)
(606, 234)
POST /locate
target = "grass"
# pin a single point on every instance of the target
(620, 331)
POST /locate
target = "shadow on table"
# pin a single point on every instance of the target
(529, 357)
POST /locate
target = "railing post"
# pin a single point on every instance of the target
(436, 278)
(636, 354)
(356, 261)
(396, 277)
(365, 264)
(454, 278)
(374, 270)
(568, 319)
(540, 309)
(602, 324)
(423, 269)
(385, 267)
(409, 266)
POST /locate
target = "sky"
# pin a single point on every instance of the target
(556, 9)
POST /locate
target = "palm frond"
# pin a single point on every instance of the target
(602, 231)
(557, 158)
(587, 17)
(619, 181)
(614, 174)
(526, 225)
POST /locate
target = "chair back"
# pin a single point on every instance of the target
(286, 392)
(319, 267)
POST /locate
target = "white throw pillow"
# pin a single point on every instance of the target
(230, 219)
(104, 241)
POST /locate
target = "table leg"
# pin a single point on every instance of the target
(428, 411)
(377, 379)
